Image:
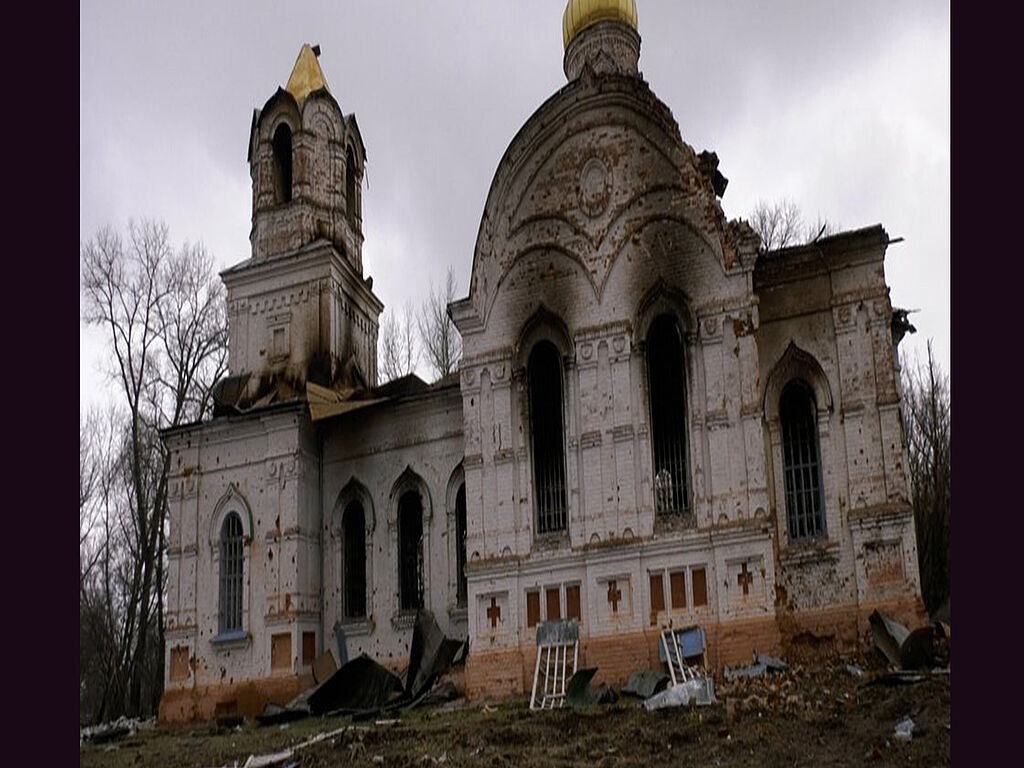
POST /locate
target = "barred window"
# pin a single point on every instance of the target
(460, 545)
(410, 551)
(354, 530)
(231, 557)
(545, 375)
(668, 416)
(801, 461)
(282, 164)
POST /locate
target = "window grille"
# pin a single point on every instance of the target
(545, 376)
(410, 551)
(801, 460)
(354, 525)
(668, 417)
(460, 539)
(231, 558)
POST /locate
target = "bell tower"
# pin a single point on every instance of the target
(306, 160)
(300, 309)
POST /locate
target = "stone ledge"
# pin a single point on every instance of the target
(877, 513)
(809, 552)
(229, 641)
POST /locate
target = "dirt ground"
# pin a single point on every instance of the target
(820, 717)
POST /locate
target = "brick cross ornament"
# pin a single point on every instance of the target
(494, 612)
(614, 596)
(745, 578)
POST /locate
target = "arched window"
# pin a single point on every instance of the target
(354, 530)
(460, 546)
(410, 551)
(350, 188)
(801, 461)
(668, 416)
(231, 558)
(544, 371)
(282, 164)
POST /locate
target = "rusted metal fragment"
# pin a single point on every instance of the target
(926, 647)
(430, 654)
(888, 635)
(359, 686)
(577, 691)
(699, 690)
(645, 683)
(324, 666)
(762, 664)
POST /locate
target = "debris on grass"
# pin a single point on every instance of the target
(904, 730)
(762, 663)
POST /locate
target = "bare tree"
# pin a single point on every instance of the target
(398, 353)
(781, 224)
(104, 566)
(93, 490)
(926, 404)
(441, 341)
(163, 315)
(192, 323)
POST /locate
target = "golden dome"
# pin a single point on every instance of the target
(306, 74)
(580, 14)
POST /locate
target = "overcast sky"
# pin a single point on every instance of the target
(841, 107)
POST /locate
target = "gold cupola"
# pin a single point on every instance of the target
(580, 14)
(306, 74)
(601, 34)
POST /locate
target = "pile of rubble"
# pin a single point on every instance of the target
(772, 685)
(363, 688)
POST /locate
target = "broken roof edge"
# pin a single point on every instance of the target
(234, 416)
(405, 389)
(860, 238)
(844, 249)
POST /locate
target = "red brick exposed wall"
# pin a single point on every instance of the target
(507, 674)
(499, 674)
(733, 643)
(248, 699)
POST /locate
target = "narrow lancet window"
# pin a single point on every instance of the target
(460, 545)
(410, 552)
(668, 417)
(282, 164)
(801, 461)
(231, 559)
(545, 376)
(354, 525)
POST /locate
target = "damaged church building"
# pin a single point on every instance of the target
(653, 419)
